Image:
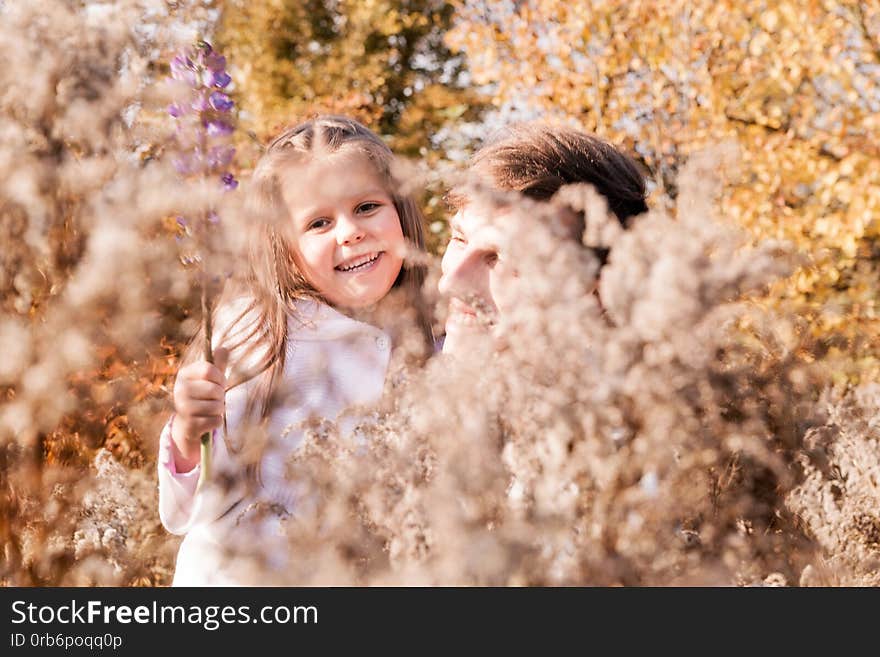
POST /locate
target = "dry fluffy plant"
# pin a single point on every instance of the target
(651, 440)
(86, 268)
(838, 500)
(98, 529)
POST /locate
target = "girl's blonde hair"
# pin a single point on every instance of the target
(273, 284)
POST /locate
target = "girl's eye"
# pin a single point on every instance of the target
(455, 237)
(317, 224)
(369, 206)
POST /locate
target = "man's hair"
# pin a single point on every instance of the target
(536, 160)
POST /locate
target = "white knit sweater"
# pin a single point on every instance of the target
(332, 362)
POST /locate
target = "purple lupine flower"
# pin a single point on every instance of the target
(204, 128)
(229, 182)
(216, 127)
(220, 101)
(203, 148)
(200, 103)
(215, 62)
(220, 156)
(220, 79)
(183, 69)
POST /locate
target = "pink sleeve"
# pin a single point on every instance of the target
(180, 506)
(177, 490)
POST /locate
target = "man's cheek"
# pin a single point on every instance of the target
(504, 291)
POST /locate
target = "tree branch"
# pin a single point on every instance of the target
(874, 44)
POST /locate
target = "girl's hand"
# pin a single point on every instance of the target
(199, 392)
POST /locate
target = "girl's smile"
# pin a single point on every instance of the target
(347, 237)
(360, 263)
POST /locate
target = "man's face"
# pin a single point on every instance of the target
(508, 265)
(476, 278)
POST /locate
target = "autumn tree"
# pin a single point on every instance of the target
(380, 61)
(794, 83)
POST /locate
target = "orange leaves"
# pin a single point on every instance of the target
(155, 377)
(105, 395)
(123, 442)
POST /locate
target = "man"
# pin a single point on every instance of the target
(482, 268)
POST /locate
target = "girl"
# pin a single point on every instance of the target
(300, 335)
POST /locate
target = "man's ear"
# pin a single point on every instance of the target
(599, 227)
(572, 222)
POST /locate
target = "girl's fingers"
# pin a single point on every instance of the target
(196, 428)
(202, 390)
(203, 371)
(196, 408)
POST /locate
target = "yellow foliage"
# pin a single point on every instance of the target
(293, 59)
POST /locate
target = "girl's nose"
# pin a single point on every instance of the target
(348, 231)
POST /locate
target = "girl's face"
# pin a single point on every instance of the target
(348, 242)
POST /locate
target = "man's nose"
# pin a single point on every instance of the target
(348, 230)
(460, 275)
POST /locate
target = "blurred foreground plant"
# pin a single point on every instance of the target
(658, 440)
(88, 285)
(838, 500)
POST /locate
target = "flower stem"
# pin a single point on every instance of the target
(205, 449)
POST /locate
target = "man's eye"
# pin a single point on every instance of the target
(317, 224)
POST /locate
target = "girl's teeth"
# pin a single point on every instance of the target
(361, 265)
